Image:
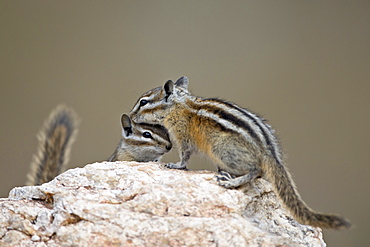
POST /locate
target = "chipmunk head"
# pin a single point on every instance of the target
(145, 142)
(153, 106)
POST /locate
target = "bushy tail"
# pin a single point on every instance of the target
(285, 188)
(55, 141)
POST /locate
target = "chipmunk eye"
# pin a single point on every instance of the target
(143, 102)
(147, 135)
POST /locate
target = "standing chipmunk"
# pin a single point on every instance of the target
(241, 144)
(139, 142)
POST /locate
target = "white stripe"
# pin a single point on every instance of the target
(226, 124)
(254, 127)
(237, 114)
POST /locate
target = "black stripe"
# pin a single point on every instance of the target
(156, 129)
(230, 117)
(238, 122)
(269, 143)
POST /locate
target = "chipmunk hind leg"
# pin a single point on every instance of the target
(236, 165)
(227, 180)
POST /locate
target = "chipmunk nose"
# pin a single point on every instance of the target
(169, 146)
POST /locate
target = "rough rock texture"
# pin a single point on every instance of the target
(145, 204)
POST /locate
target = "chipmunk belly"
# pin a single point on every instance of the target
(201, 134)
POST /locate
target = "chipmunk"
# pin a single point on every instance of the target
(139, 142)
(241, 144)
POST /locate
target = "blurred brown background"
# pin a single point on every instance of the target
(305, 66)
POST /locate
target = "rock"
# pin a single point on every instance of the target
(145, 204)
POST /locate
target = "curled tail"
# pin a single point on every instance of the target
(55, 141)
(285, 188)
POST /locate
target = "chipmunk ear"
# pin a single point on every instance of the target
(168, 88)
(126, 125)
(182, 82)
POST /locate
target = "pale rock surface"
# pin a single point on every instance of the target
(145, 204)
